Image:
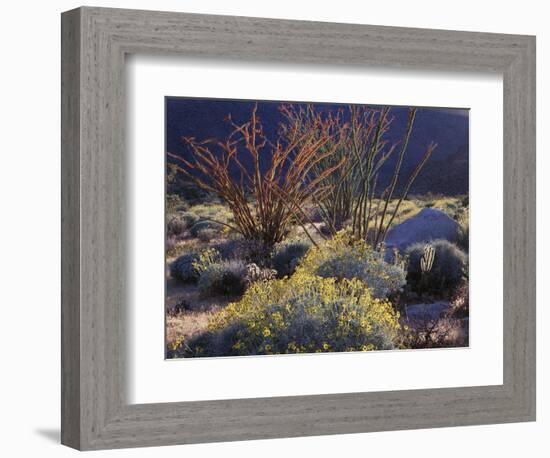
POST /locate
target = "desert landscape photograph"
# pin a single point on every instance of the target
(305, 227)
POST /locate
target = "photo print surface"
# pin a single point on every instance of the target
(296, 227)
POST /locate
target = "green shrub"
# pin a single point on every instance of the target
(227, 278)
(344, 257)
(446, 273)
(300, 314)
(183, 268)
(287, 255)
(205, 259)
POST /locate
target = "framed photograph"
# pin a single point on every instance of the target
(307, 228)
(285, 228)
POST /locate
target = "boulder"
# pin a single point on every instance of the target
(428, 224)
(426, 312)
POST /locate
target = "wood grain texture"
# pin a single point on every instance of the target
(96, 414)
(70, 229)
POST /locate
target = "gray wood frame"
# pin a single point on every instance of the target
(95, 414)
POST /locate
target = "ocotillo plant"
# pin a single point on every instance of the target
(333, 205)
(374, 225)
(267, 196)
(362, 150)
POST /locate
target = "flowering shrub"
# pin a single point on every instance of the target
(300, 314)
(287, 255)
(205, 259)
(343, 257)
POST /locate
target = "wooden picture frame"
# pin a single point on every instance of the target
(95, 413)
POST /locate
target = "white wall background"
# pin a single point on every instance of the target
(29, 229)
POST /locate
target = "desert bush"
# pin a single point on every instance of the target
(300, 314)
(227, 278)
(189, 217)
(202, 225)
(344, 257)
(179, 307)
(207, 234)
(171, 243)
(178, 223)
(175, 226)
(463, 240)
(249, 250)
(227, 248)
(183, 268)
(460, 304)
(205, 259)
(443, 332)
(287, 255)
(175, 203)
(446, 273)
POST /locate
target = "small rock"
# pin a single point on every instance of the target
(426, 312)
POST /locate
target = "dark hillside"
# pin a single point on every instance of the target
(445, 173)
